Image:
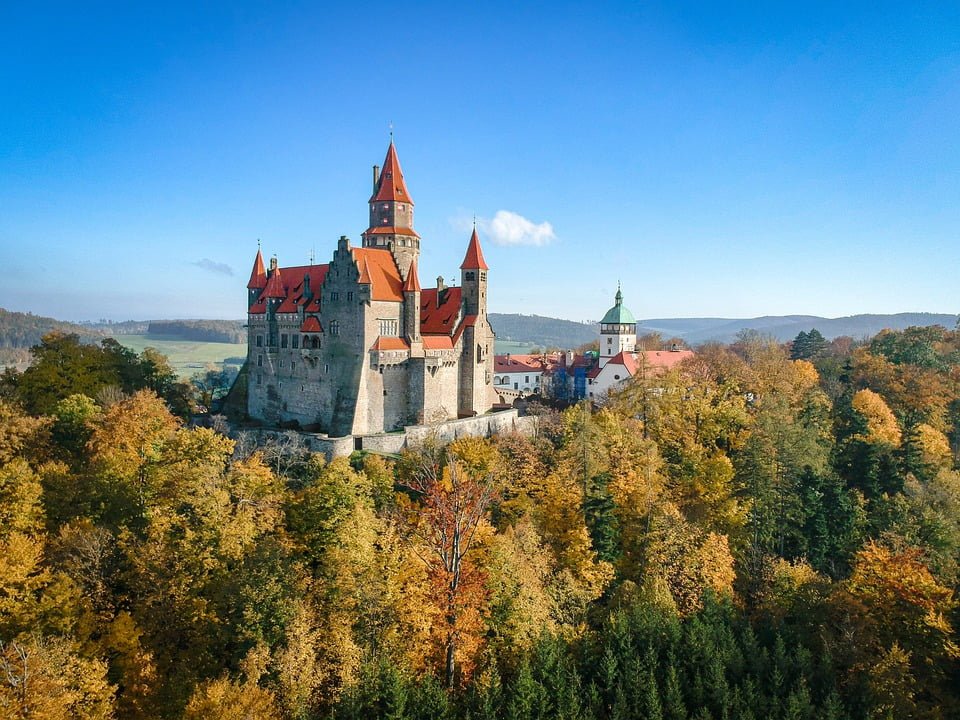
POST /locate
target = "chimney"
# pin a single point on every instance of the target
(273, 263)
(376, 176)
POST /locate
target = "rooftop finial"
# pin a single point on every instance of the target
(258, 243)
(474, 221)
(391, 131)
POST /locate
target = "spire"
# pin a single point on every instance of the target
(274, 288)
(258, 276)
(412, 283)
(619, 296)
(474, 258)
(391, 185)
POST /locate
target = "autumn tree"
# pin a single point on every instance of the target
(454, 491)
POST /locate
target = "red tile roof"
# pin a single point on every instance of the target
(390, 343)
(382, 272)
(391, 186)
(391, 230)
(474, 257)
(665, 359)
(258, 276)
(293, 286)
(311, 324)
(518, 363)
(274, 288)
(440, 320)
(654, 359)
(437, 342)
(412, 283)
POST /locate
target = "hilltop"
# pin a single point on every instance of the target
(553, 332)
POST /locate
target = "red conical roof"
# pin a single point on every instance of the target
(258, 276)
(274, 287)
(412, 283)
(474, 258)
(391, 186)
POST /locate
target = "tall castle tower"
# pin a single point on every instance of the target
(391, 214)
(476, 367)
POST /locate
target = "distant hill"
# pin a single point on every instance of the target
(545, 332)
(786, 327)
(24, 330)
(223, 331)
(552, 332)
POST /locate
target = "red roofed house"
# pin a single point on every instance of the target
(522, 373)
(355, 346)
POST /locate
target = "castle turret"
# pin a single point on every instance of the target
(258, 279)
(391, 213)
(411, 305)
(618, 330)
(476, 365)
(473, 278)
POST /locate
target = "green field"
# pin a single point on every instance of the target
(186, 356)
(510, 346)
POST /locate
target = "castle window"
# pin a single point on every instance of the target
(283, 340)
(259, 360)
(281, 362)
(295, 342)
(326, 368)
(349, 295)
(334, 296)
(616, 377)
(293, 366)
(389, 328)
(468, 275)
(259, 378)
(483, 275)
(334, 327)
(259, 340)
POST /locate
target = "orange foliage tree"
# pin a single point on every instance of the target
(454, 493)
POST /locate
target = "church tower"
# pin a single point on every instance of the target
(391, 214)
(476, 364)
(618, 330)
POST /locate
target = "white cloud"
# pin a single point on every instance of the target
(509, 228)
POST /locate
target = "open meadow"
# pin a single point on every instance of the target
(186, 356)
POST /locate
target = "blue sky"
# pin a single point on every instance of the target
(718, 160)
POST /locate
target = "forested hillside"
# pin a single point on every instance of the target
(24, 330)
(748, 536)
(226, 331)
(552, 332)
(543, 331)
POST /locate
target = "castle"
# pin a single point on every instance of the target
(356, 346)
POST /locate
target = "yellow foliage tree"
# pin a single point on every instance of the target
(882, 426)
(223, 699)
(45, 679)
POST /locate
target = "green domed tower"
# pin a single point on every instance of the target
(618, 330)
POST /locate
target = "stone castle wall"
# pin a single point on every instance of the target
(507, 421)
